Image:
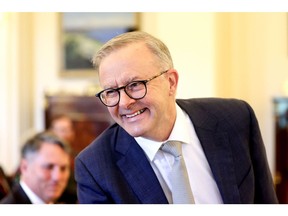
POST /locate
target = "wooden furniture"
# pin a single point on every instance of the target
(281, 139)
(4, 184)
(90, 117)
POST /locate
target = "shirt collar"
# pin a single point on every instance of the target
(179, 133)
(32, 196)
(180, 130)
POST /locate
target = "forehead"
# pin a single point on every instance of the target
(126, 64)
(50, 152)
(127, 56)
(62, 121)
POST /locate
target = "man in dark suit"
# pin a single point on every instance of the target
(44, 171)
(220, 138)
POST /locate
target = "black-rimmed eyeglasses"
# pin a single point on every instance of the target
(136, 90)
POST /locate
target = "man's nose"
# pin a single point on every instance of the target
(125, 100)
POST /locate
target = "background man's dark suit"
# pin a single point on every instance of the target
(116, 169)
(16, 196)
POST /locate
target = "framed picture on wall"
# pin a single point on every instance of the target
(83, 33)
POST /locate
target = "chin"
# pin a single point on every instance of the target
(134, 132)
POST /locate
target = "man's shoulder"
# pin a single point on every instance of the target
(16, 196)
(105, 142)
(210, 101)
(226, 108)
(213, 103)
(105, 137)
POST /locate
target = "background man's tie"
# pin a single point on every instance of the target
(181, 189)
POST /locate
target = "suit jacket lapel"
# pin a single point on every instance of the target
(20, 196)
(218, 154)
(138, 171)
(216, 147)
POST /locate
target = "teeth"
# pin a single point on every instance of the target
(135, 114)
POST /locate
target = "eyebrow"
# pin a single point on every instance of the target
(130, 79)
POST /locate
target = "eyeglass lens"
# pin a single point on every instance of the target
(135, 90)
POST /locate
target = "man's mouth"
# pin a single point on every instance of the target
(135, 114)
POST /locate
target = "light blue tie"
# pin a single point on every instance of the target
(181, 189)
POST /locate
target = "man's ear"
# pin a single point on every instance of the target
(173, 81)
(23, 165)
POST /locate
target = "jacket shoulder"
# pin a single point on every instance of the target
(215, 106)
(210, 102)
(16, 196)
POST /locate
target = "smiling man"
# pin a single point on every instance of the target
(223, 157)
(45, 170)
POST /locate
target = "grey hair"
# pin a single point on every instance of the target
(156, 46)
(34, 144)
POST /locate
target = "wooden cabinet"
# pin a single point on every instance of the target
(281, 140)
(89, 115)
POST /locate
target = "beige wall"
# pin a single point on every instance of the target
(252, 64)
(239, 55)
(190, 38)
(16, 85)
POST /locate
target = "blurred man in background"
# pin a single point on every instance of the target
(44, 171)
(62, 125)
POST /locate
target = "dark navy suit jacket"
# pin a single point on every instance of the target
(16, 196)
(114, 168)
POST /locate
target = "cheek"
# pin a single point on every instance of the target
(33, 170)
(43, 174)
(113, 112)
(66, 173)
(67, 176)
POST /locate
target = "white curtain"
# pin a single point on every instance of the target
(16, 86)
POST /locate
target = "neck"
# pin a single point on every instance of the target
(164, 128)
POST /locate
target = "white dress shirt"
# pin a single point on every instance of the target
(32, 196)
(203, 185)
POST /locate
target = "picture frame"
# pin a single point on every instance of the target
(83, 33)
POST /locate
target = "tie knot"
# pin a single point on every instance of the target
(173, 147)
